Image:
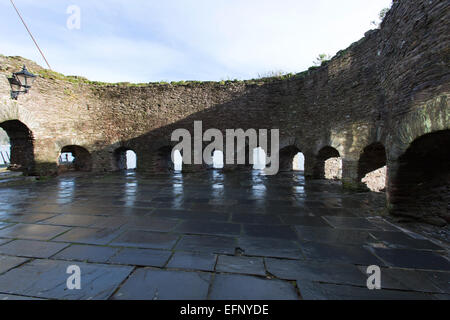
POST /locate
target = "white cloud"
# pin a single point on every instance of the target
(261, 35)
(143, 41)
(110, 59)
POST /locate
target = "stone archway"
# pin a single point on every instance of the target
(80, 160)
(218, 159)
(22, 146)
(163, 160)
(122, 159)
(259, 158)
(328, 164)
(419, 184)
(372, 167)
(287, 155)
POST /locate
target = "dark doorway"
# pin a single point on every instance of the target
(328, 164)
(421, 186)
(372, 167)
(21, 146)
(75, 158)
(125, 159)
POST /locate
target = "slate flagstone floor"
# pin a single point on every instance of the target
(209, 235)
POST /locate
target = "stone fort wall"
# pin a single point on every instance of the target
(388, 89)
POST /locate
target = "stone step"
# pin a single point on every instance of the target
(5, 174)
(8, 178)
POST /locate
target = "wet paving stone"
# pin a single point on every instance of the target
(444, 297)
(32, 249)
(109, 222)
(287, 210)
(350, 223)
(96, 209)
(164, 199)
(406, 280)
(269, 231)
(137, 204)
(323, 291)
(256, 219)
(152, 224)
(196, 200)
(439, 279)
(240, 287)
(10, 297)
(3, 241)
(312, 204)
(209, 228)
(412, 259)
(4, 225)
(241, 265)
(305, 221)
(339, 253)
(71, 220)
(149, 284)
(7, 263)
(146, 239)
(280, 203)
(32, 232)
(382, 224)
(191, 215)
(86, 221)
(313, 271)
(209, 235)
(141, 257)
(277, 248)
(166, 205)
(25, 218)
(193, 261)
(44, 208)
(352, 203)
(334, 236)
(248, 209)
(47, 279)
(210, 244)
(88, 236)
(401, 240)
(334, 212)
(86, 253)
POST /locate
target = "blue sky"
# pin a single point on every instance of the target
(171, 40)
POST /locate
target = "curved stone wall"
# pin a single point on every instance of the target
(389, 88)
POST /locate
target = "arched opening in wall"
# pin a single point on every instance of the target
(299, 162)
(125, 159)
(421, 186)
(163, 160)
(217, 159)
(5, 149)
(291, 158)
(328, 164)
(372, 167)
(177, 161)
(18, 155)
(259, 159)
(74, 158)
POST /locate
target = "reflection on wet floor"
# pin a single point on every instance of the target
(281, 234)
(251, 191)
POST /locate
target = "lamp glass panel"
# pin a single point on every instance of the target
(21, 78)
(15, 86)
(30, 81)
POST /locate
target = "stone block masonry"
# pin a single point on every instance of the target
(382, 95)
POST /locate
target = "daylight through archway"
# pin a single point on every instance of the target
(74, 158)
(21, 146)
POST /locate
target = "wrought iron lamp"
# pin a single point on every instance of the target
(21, 82)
